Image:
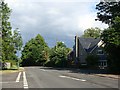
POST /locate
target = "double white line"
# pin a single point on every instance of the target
(18, 78)
(25, 84)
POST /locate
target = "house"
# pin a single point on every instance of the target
(89, 46)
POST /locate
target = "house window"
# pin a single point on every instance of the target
(100, 52)
(102, 64)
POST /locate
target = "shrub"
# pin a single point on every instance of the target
(92, 60)
(48, 63)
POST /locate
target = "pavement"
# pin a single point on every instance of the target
(108, 76)
(43, 77)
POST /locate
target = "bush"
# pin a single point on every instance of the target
(113, 65)
(92, 60)
(48, 63)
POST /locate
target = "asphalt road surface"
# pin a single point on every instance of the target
(42, 77)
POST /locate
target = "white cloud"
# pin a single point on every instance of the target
(27, 1)
(88, 21)
(53, 11)
(28, 20)
(61, 19)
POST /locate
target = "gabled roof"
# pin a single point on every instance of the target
(88, 43)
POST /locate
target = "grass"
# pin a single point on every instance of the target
(11, 70)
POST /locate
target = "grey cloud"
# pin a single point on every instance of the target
(54, 21)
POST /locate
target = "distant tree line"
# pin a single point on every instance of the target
(37, 52)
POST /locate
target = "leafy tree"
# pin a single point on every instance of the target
(60, 44)
(35, 51)
(46, 53)
(7, 46)
(109, 13)
(17, 40)
(58, 55)
(8, 41)
(8, 49)
(92, 32)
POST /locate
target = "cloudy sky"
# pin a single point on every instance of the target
(55, 20)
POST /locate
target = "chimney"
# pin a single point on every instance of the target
(76, 46)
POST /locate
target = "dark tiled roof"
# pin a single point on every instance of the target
(88, 43)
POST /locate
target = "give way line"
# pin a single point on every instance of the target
(25, 83)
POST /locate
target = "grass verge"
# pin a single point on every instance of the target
(11, 70)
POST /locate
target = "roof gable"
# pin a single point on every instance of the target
(88, 43)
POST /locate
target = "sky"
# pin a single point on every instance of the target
(55, 20)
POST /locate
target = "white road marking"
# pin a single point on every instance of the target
(72, 78)
(45, 70)
(8, 82)
(4, 82)
(42, 69)
(25, 81)
(18, 77)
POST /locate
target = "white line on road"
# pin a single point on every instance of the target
(25, 81)
(18, 77)
(45, 70)
(7, 82)
(73, 78)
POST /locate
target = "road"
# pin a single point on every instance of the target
(42, 77)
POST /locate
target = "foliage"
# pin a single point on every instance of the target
(8, 51)
(92, 60)
(58, 55)
(35, 51)
(111, 36)
(7, 46)
(17, 40)
(109, 13)
(92, 32)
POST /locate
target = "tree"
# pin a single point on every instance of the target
(17, 40)
(35, 51)
(8, 41)
(58, 55)
(8, 52)
(92, 32)
(109, 13)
